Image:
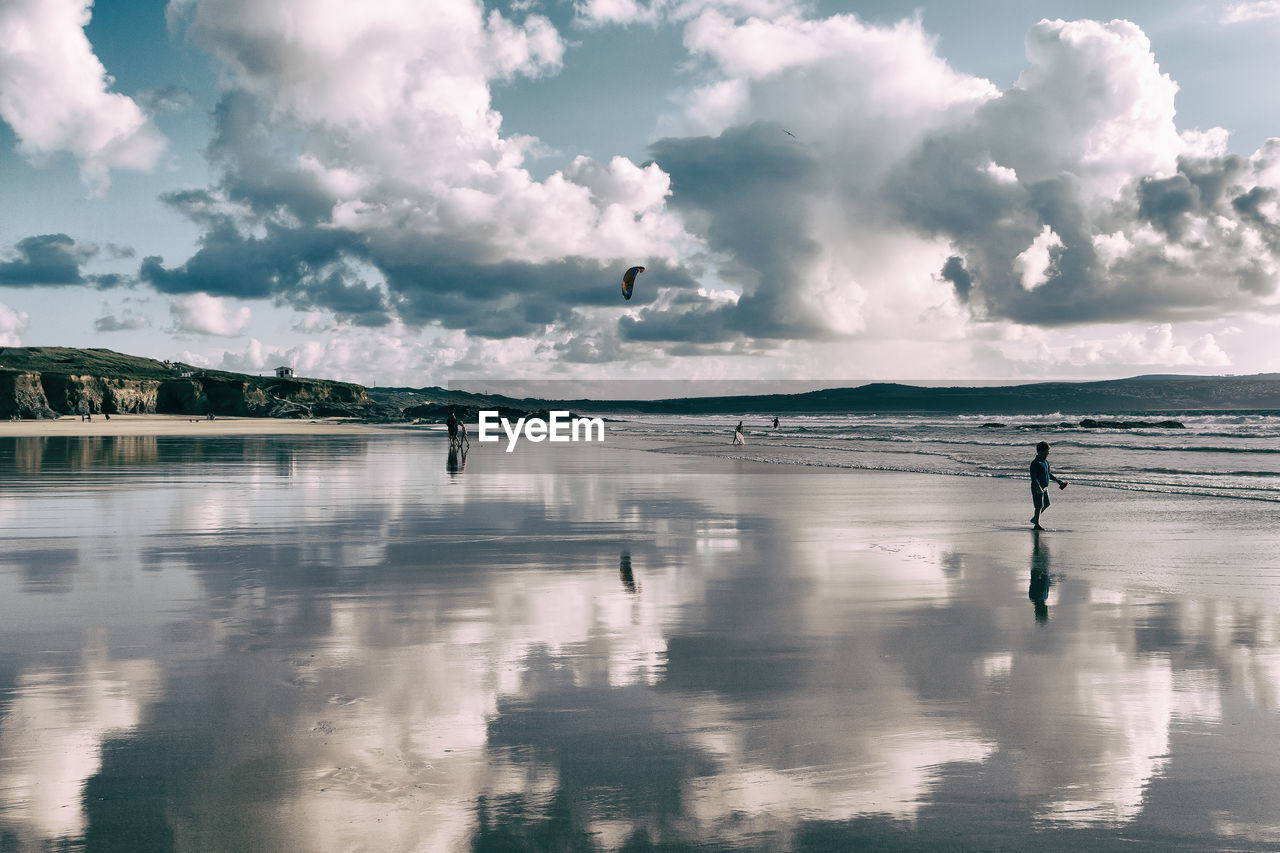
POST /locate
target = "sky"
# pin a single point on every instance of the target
(417, 193)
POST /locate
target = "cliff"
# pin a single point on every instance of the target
(44, 382)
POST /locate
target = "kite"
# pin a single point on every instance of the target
(629, 281)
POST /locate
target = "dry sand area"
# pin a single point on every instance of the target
(73, 425)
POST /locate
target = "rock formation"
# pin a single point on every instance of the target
(44, 382)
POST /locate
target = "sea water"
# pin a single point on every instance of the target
(1215, 454)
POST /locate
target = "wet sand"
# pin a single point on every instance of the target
(125, 425)
(331, 642)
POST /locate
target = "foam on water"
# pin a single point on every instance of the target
(1202, 458)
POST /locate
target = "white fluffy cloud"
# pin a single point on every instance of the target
(12, 325)
(1035, 264)
(1238, 13)
(208, 315)
(1070, 197)
(599, 13)
(399, 138)
(1155, 345)
(55, 93)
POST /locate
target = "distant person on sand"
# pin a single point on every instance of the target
(463, 441)
(1040, 477)
(738, 440)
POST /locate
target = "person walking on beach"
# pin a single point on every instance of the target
(738, 440)
(452, 424)
(1040, 477)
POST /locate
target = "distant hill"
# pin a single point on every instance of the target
(40, 382)
(1155, 393)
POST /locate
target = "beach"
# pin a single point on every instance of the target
(126, 425)
(349, 638)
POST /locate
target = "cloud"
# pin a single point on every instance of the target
(47, 259)
(1156, 345)
(1103, 350)
(1069, 198)
(54, 93)
(12, 325)
(166, 99)
(389, 355)
(787, 197)
(363, 173)
(126, 321)
(1258, 10)
(208, 315)
(600, 13)
(1035, 265)
(1114, 215)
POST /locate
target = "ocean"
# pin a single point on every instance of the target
(1214, 454)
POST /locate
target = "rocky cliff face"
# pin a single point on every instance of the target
(49, 394)
(22, 395)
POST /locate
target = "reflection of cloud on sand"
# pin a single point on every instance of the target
(890, 775)
(401, 761)
(51, 738)
(1128, 705)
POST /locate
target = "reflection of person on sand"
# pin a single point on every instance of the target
(1040, 477)
(457, 461)
(738, 440)
(624, 569)
(1038, 591)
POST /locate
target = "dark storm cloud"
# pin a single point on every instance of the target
(751, 186)
(953, 271)
(228, 263)
(1248, 204)
(47, 259)
(308, 266)
(689, 318)
(344, 293)
(514, 299)
(1166, 202)
(256, 173)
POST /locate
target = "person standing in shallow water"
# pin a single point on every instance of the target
(737, 435)
(1040, 478)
